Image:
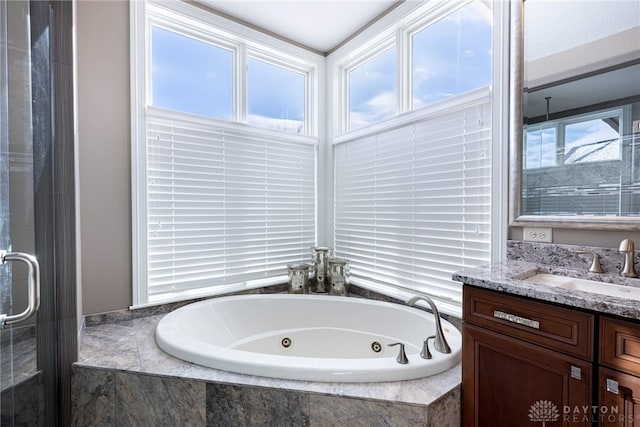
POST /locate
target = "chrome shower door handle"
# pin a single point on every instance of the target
(33, 283)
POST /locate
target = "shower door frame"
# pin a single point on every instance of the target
(55, 208)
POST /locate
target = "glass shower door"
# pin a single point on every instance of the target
(21, 401)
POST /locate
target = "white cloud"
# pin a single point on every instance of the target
(285, 125)
(383, 104)
(376, 109)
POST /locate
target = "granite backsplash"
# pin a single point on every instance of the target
(565, 256)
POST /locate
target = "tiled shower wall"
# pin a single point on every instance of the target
(116, 398)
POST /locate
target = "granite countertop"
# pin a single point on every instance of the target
(509, 276)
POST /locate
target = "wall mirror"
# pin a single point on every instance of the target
(575, 125)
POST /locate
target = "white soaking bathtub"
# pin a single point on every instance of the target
(306, 337)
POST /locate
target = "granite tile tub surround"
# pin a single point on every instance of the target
(94, 396)
(125, 315)
(122, 377)
(114, 398)
(22, 404)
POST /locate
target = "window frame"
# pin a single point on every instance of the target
(371, 55)
(209, 37)
(399, 29)
(210, 28)
(439, 12)
(204, 25)
(392, 26)
(309, 125)
(399, 34)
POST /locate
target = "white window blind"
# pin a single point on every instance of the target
(412, 203)
(226, 204)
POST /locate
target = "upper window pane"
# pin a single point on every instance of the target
(190, 75)
(452, 56)
(276, 97)
(540, 147)
(372, 90)
(592, 140)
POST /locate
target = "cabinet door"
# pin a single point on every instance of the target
(508, 382)
(620, 345)
(619, 399)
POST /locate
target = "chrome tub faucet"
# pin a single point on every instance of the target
(440, 343)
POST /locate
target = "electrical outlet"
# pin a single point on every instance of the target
(636, 126)
(537, 234)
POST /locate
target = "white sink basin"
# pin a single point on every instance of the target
(590, 286)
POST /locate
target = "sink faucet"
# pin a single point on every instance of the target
(440, 342)
(629, 269)
(595, 264)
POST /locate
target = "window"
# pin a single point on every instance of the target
(225, 177)
(573, 165)
(592, 140)
(372, 90)
(412, 183)
(451, 56)
(540, 147)
(225, 206)
(591, 137)
(412, 203)
(190, 75)
(224, 164)
(278, 104)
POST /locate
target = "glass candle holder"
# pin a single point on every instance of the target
(298, 278)
(319, 255)
(338, 273)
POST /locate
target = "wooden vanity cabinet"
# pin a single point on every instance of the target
(619, 382)
(524, 361)
(619, 399)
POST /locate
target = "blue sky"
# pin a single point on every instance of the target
(450, 57)
(372, 90)
(283, 95)
(191, 76)
(197, 77)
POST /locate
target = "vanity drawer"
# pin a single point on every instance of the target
(620, 345)
(566, 330)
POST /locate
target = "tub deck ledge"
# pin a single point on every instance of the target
(125, 344)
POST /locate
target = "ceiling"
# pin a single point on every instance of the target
(321, 25)
(556, 26)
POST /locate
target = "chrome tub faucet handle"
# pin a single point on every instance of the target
(402, 356)
(425, 353)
